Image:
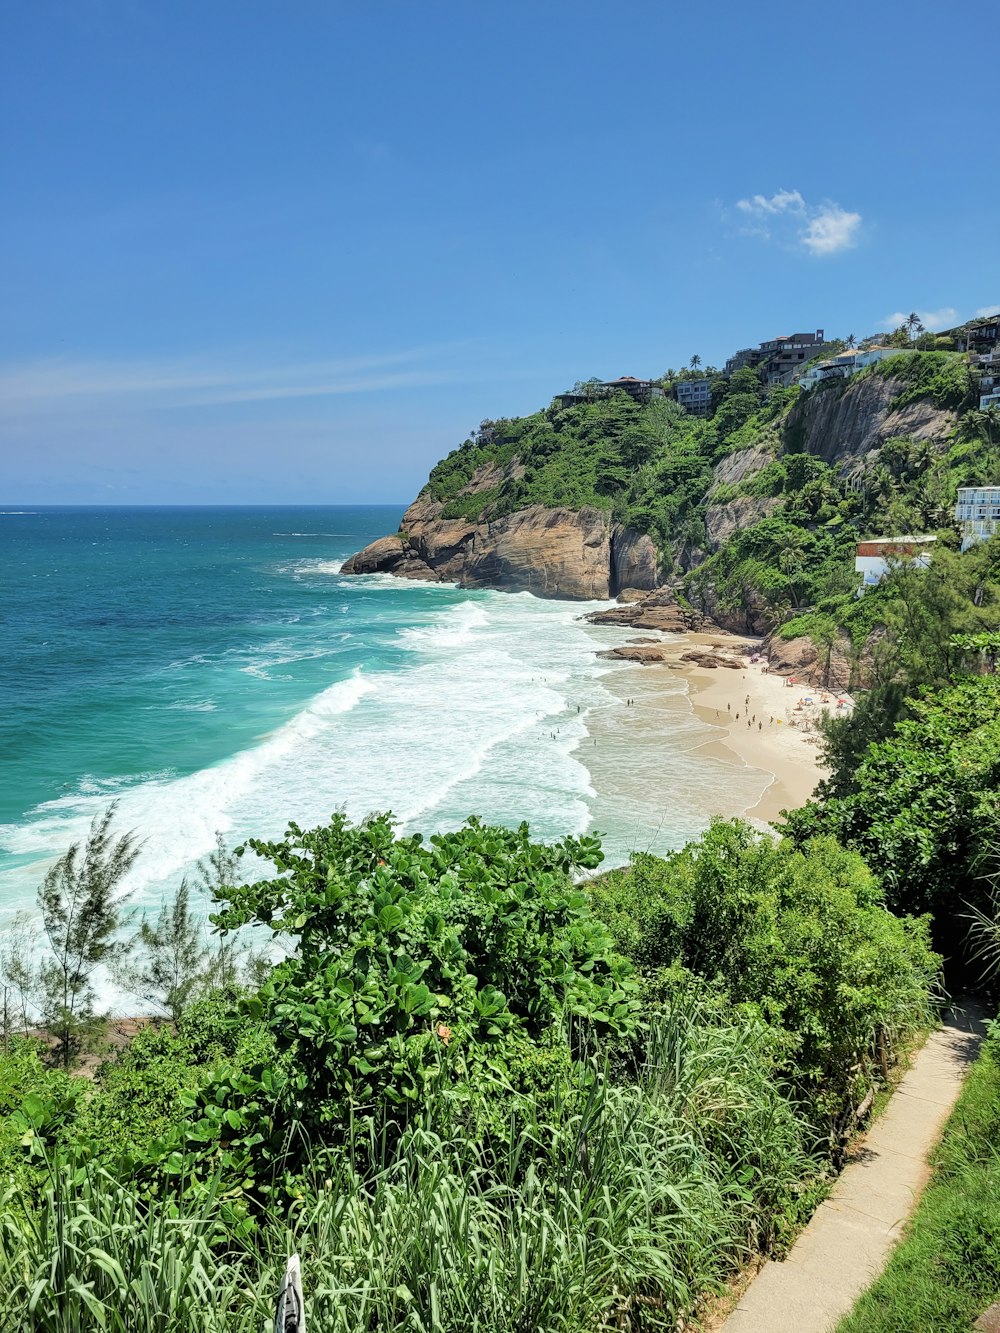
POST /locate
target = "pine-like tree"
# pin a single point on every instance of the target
(82, 908)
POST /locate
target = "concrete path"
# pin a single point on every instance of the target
(848, 1240)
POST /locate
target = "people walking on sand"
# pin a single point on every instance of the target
(729, 708)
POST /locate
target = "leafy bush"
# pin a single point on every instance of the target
(802, 936)
(417, 964)
(924, 807)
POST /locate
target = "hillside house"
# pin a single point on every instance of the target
(641, 391)
(846, 364)
(977, 513)
(695, 396)
(876, 557)
(779, 358)
(979, 338)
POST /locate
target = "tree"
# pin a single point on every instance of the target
(850, 341)
(912, 323)
(171, 963)
(175, 957)
(695, 362)
(19, 976)
(81, 909)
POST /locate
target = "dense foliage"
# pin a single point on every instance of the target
(473, 1093)
(801, 936)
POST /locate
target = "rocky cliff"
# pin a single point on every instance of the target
(577, 554)
(844, 421)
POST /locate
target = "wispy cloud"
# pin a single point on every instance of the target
(931, 319)
(171, 383)
(819, 229)
(986, 311)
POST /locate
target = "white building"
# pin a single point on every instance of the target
(846, 364)
(875, 558)
(978, 513)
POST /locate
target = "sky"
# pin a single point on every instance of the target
(293, 251)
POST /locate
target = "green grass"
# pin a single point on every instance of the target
(619, 1210)
(947, 1270)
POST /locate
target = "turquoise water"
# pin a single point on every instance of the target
(212, 670)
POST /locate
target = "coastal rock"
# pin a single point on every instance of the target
(829, 668)
(642, 653)
(568, 553)
(388, 555)
(634, 560)
(658, 611)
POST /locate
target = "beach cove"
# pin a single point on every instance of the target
(753, 740)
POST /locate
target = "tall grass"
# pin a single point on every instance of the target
(619, 1211)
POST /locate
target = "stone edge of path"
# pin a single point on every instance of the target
(849, 1238)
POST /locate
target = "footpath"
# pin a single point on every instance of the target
(849, 1237)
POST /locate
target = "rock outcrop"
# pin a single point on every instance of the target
(577, 554)
(844, 421)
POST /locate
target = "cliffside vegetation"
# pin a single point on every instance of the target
(788, 501)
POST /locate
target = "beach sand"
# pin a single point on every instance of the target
(679, 748)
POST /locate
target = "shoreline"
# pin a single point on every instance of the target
(759, 770)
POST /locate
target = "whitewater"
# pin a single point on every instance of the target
(301, 691)
(213, 671)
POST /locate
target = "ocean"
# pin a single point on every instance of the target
(211, 670)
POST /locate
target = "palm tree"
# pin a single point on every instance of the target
(850, 341)
(695, 362)
(912, 323)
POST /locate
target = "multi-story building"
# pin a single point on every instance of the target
(982, 337)
(779, 357)
(695, 396)
(978, 513)
(782, 357)
(876, 557)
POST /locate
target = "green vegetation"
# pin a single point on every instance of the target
(473, 1094)
(476, 1086)
(947, 1270)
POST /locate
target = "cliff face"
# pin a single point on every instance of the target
(549, 552)
(581, 553)
(843, 424)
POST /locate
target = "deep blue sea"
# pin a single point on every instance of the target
(210, 669)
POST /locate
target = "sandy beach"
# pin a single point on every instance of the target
(766, 721)
(748, 738)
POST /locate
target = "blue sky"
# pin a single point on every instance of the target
(293, 250)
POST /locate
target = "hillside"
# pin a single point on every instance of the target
(749, 514)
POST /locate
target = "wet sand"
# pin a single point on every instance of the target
(679, 754)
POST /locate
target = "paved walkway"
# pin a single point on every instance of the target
(848, 1240)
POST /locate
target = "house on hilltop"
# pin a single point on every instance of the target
(640, 391)
(978, 513)
(695, 396)
(778, 358)
(846, 364)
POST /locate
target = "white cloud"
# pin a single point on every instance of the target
(944, 318)
(819, 229)
(830, 230)
(986, 311)
(782, 202)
